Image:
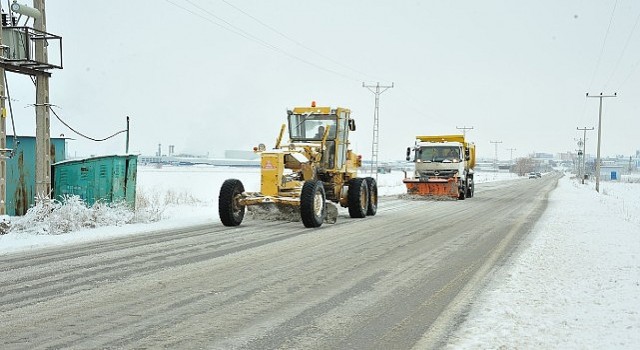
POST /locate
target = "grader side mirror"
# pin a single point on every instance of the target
(352, 125)
(408, 153)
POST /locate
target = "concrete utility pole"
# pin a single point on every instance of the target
(3, 136)
(495, 161)
(376, 126)
(583, 172)
(464, 130)
(43, 139)
(601, 96)
(511, 155)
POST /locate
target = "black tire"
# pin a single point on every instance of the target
(358, 197)
(470, 188)
(230, 211)
(313, 208)
(372, 208)
(462, 193)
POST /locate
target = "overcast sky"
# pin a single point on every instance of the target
(207, 76)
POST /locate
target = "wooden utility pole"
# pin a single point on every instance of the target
(43, 137)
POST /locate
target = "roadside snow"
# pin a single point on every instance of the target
(575, 281)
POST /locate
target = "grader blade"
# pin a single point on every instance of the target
(284, 212)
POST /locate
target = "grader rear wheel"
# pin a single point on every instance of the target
(358, 198)
(372, 209)
(229, 208)
(312, 204)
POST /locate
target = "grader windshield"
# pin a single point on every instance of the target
(307, 127)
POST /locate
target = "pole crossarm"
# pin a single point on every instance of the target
(464, 130)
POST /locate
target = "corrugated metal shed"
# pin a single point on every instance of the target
(21, 171)
(107, 179)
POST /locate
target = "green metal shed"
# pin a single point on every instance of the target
(107, 179)
(21, 171)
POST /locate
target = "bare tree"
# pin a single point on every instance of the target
(523, 166)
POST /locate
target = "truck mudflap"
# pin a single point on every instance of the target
(433, 187)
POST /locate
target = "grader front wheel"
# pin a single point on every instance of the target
(230, 210)
(312, 204)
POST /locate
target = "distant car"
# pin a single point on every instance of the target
(533, 176)
(538, 175)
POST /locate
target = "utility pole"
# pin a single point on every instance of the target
(43, 139)
(3, 134)
(598, 161)
(464, 130)
(376, 125)
(511, 156)
(495, 161)
(584, 153)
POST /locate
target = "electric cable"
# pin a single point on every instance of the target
(81, 134)
(244, 34)
(297, 42)
(603, 45)
(13, 123)
(615, 68)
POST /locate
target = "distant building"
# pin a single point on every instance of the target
(241, 154)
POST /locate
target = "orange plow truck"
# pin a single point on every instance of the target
(443, 167)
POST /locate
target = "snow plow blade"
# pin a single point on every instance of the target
(286, 211)
(435, 188)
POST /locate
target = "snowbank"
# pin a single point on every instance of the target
(575, 281)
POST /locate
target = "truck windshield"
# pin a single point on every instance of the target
(312, 126)
(438, 154)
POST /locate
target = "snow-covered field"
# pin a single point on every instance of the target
(574, 283)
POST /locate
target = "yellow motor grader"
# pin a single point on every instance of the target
(316, 167)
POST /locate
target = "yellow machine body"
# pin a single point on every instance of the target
(308, 156)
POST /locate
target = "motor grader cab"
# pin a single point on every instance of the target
(306, 174)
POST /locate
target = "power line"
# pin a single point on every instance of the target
(603, 44)
(316, 52)
(240, 32)
(615, 68)
(81, 134)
